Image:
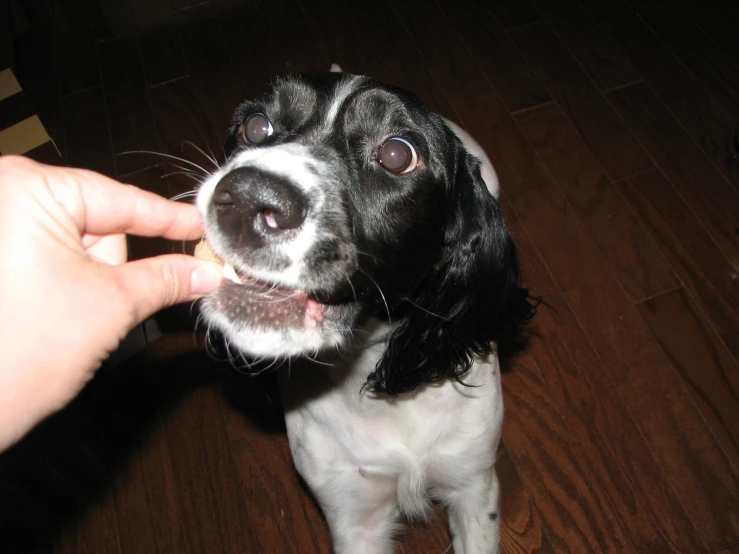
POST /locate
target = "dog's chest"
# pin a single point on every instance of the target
(435, 432)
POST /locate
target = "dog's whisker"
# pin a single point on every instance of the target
(371, 257)
(348, 280)
(187, 169)
(171, 157)
(199, 179)
(387, 308)
(202, 130)
(211, 158)
(316, 361)
(411, 302)
(182, 195)
(189, 174)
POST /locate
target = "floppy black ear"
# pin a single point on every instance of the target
(472, 298)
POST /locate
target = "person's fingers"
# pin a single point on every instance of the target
(155, 283)
(99, 205)
(111, 249)
(112, 208)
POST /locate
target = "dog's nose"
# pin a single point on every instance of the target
(256, 205)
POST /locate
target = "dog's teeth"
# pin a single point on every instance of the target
(230, 273)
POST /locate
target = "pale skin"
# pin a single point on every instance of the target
(67, 294)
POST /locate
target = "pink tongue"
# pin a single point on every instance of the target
(313, 314)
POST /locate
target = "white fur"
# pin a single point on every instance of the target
(368, 459)
(349, 86)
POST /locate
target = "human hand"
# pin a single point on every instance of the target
(67, 295)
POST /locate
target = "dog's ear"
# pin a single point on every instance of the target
(471, 299)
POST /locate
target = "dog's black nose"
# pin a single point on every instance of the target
(255, 205)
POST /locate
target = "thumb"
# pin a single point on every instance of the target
(155, 283)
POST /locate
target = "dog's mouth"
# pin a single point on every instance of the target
(268, 305)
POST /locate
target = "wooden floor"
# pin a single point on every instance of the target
(610, 125)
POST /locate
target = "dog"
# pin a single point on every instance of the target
(361, 234)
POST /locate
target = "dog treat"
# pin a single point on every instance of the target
(203, 251)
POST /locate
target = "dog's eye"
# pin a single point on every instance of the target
(397, 156)
(256, 128)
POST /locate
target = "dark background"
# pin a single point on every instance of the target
(610, 125)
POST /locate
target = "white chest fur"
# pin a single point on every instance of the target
(352, 447)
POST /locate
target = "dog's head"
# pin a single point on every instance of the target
(341, 199)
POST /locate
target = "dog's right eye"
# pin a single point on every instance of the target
(256, 128)
(398, 156)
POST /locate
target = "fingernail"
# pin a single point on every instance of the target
(206, 278)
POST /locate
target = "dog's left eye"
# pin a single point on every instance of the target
(397, 155)
(256, 128)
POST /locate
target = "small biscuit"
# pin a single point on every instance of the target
(203, 251)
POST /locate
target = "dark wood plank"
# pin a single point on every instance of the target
(338, 35)
(699, 113)
(623, 242)
(522, 529)
(15, 109)
(376, 22)
(646, 513)
(450, 64)
(75, 47)
(87, 133)
(210, 65)
(64, 475)
(242, 29)
(199, 445)
(431, 536)
(146, 502)
(710, 196)
(572, 512)
(127, 102)
(181, 114)
(601, 128)
(703, 478)
(498, 57)
(47, 153)
(161, 50)
(184, 4)
(714, 68)
(112, 19)
(37, 74)
(255, 428)
(95, 532)
(708, 369)
(606, 64)
(301, 53)
(716, 22)
(696, 259)
(514, 13)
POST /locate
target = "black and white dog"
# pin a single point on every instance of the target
(361, 229)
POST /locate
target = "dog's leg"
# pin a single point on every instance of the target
(474, 521)
(361, 512)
